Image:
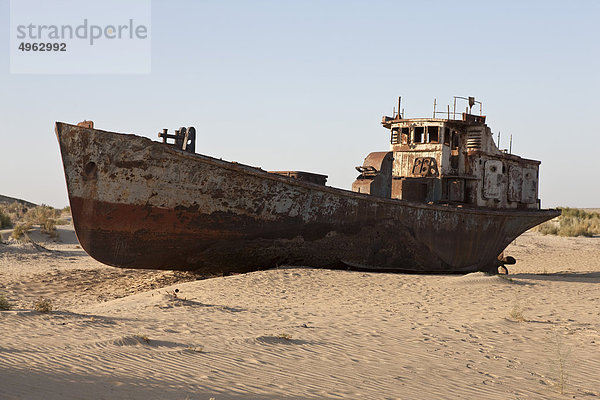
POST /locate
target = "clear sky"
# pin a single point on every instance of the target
(302, 85)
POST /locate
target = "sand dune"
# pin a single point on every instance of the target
(301, 332)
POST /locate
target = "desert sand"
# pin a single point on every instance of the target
(300, 333)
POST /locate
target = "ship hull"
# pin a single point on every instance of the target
(141, 204)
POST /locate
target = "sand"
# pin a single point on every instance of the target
(301, 333)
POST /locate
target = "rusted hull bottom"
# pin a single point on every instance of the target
(136, 236)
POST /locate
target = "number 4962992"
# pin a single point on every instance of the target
(42, 46)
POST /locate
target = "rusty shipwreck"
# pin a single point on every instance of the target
(443, 199)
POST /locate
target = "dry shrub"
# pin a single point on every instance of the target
(4, 303)
(196, 349)
(20, 232)
(14, 212)
(5, 221)
(516, 313)
(43, 305)
(284, 336)
(548, 228)
(572, 222)
(41, 214)
(142, 338)
(44, 216)
(49, 228)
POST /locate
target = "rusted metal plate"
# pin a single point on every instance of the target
(492, 179)
(456, 190)
(515, 183)
(375, 175)
(141, 204)
(530, 185)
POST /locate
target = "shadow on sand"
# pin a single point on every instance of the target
(579, 277)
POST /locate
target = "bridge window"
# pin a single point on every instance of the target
(447, 136)
(418, 132)
(394, 136)
(454, 140)
(405, 135)
(433, 134)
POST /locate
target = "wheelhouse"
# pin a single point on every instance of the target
(449, 160)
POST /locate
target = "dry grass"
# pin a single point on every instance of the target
(516, 314)
(173, 294)
(196, 349)
(142, 338)
(559, 361)
(572, 222)
(285, 336)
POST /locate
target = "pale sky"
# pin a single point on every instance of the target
(302, 85)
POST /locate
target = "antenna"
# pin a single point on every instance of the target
(510, 146)
(399, 102)
(454, 110)
(498, 140)
(434, 104)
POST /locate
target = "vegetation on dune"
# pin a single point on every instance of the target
(20, 231)
(5, 221)
(13, 213)
(43, 305)
(572, 222)
(142, 338)
(560, 361)
(49, 228)
(4, 305)
(516, 314)
(40, 215)
(23, 219)
(44, 216)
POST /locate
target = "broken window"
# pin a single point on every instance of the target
(405, 135)
(454, 140)
(394, 139)
(419, 131)
(447, 136)
(433, 134)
